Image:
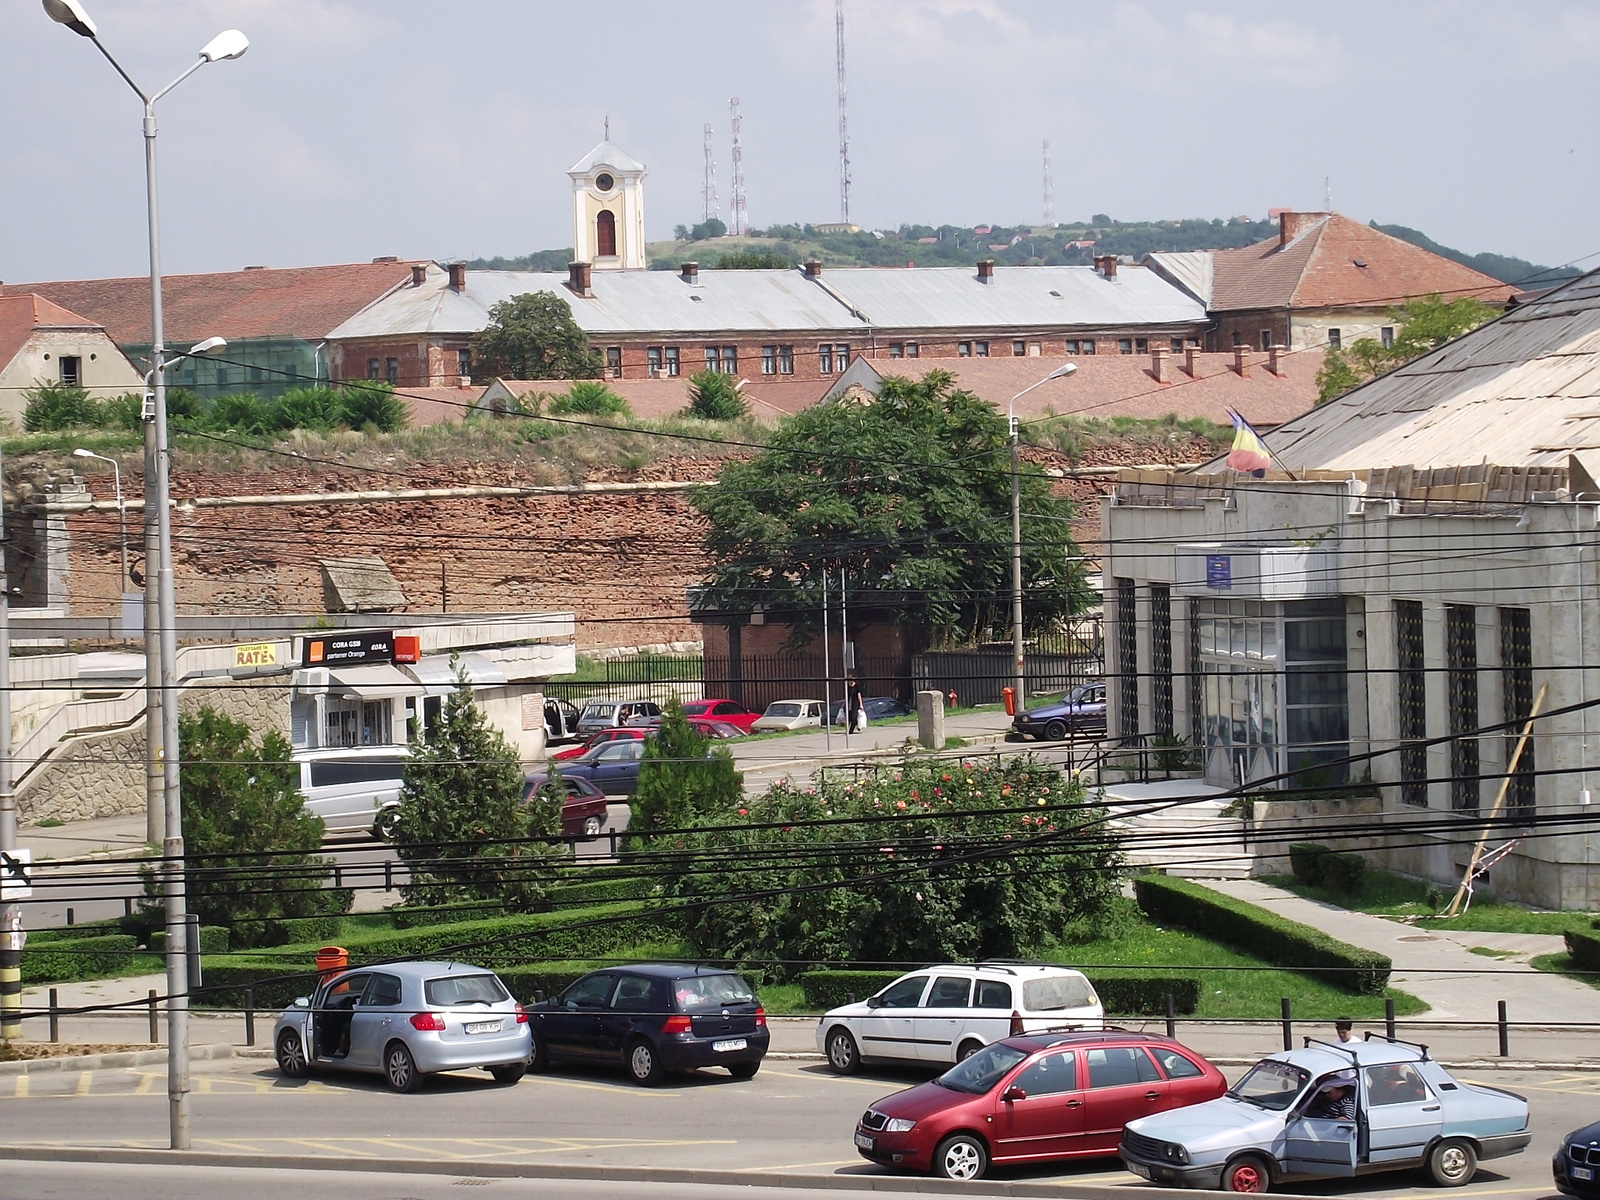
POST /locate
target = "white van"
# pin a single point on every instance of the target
(353, 788)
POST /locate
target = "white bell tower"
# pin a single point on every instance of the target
(608, 208)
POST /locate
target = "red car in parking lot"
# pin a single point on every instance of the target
(583, 811)
(717, 709)
(626, 734)
(1034, 1098)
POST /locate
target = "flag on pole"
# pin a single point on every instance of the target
(1249, 454)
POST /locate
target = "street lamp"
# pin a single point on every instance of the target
(230, 43)
(1020, 682)
(122, 512)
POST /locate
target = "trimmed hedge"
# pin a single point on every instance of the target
(408, 917)
(213, 940)
(598, 891)
(1122, 995)
(63, 960)
(1584, 950)
(1262, 934)
(1315, 865)
(286, 932)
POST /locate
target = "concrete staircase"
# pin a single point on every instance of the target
(1177, 826)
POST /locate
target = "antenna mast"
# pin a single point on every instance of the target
(844, 125)
(738, 220)
(1049, 190)
(708, 191)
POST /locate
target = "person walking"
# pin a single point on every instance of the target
(857, 706)
(1344, 1029)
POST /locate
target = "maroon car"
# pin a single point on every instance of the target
(1032, 1099)
(583, 813)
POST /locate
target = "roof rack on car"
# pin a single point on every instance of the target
(1338, 1047)
(1394, 1041)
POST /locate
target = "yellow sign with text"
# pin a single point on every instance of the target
(256, 654)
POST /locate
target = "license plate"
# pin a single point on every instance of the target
(1582, 1173)
(863, 1141)
(482, 1026)
(1139, 1169)
(729, 1045)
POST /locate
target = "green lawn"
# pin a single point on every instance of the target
(1561, 964)
(1385, 894)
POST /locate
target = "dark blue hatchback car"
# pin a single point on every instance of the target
(1082, 710)
(651, 1019)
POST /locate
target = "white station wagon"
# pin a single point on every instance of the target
(943, 1014)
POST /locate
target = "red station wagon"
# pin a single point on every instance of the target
(1032, 1099)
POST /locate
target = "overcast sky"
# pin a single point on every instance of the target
(442, 128)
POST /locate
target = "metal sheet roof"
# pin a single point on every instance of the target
(1521, 391)
(1192, 270)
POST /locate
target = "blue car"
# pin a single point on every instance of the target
(1331, 1111)
(1082, 710)
(613, 767)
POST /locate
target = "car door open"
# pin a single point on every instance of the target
(1320, 1145)
(372, 1021)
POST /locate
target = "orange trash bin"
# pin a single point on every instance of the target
(331, 960)
(1009, 695)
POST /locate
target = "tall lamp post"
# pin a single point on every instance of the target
(1019, 683)
(230, 43)
(122, 510)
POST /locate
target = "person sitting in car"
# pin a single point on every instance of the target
(1335, 1102)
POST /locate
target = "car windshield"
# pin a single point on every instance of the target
(978, 1073)
(1271, 1084)
(463, 989)
(1057, 992)
(710, 991)
(783, 710)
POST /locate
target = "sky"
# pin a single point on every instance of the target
(443, 128)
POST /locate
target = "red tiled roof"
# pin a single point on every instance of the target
(432, 405)
(20, 315)
(303, 302)
(1317, 269)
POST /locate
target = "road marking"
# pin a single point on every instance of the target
(146, 1082)
(85, 1082)
(22, 1087)
(845, 1162)
(601, 1087)
(341, 1147)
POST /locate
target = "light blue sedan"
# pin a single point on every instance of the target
(1328, 1111)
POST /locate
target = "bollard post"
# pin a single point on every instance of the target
(1388, 1019)
(1505, 1033)
(249, 1016)
(155, 1024)
(388, 875)
(849, 997)
(55, 1017)
(1172, 1017)
(338, 876)
(69, 916)
(1288, 1026)
(127, 906)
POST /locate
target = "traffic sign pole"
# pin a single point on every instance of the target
(10, 913)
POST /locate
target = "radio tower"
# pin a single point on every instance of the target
(1049, 190)
(844, 125)
(738, 220)
(709, 191)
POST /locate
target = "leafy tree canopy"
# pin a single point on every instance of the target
(590, 397)
(910, 493)
(713, 396)
(755, 260)
(533, 336)
(709, 228)
(1423, 326)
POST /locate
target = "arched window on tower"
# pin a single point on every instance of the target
(605, 234)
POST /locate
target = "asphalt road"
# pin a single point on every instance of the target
(794, 1117)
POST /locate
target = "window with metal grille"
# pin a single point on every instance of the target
(1161, 659)
(1461, 662)
(1127, 658)
(1196, 680)
(1413, 707)
(1516, 686)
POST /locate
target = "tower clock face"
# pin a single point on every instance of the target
(604, 182)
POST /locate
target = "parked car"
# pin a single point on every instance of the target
(718, 709)
(613, 766)
(1032, 1099)
(788, 714)
(717, 729)
(406, 1021)
(651, 1019)
(609, 714)
(944, 1014)
(879, 708)
(1082, 710)
(353, 787)
(583, 810)
(560, 720)
(1576, 1162)
(628, 734)
(1331, 1111)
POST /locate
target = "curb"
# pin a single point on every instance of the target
(96, 1062)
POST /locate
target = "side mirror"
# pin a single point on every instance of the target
(302, 1002)
(1013, 1093)
(873, 1002)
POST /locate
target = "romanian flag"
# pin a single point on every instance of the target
(1249, 454)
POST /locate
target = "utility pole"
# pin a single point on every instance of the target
(844, 124)
(1049, 191)
(155, 784)
(738, 221)
(708, 190)
(10, 913)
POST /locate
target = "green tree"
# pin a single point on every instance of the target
(1424, 325)
(462, 819)
(52, 407)
(681, 780)
(713, 396)
(371, 403)
(910, 492)
(754, 260)
(244, 818)
(533, 336)
(711, 227)
(590, 397)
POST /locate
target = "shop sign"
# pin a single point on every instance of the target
(343, 649)
(256, 654)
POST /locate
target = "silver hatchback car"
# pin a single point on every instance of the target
(406, 1021)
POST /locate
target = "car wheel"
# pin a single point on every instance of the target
(962, 1157)
(744, 1070)
(400, 1069)
(1056, 731)
(292, 1056)
(387, 827)
(843, 1056)
(968, 1049)
(591, 827)
(508, 1074)
(643, 1064)
(1247, 1174)
(539, 1058)
(1452, 1163)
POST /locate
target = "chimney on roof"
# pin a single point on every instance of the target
(1158, 364)
(458, 277)
(690, 272)
(1191, 361)
(1274, 356)
(1292, 224)
(986, 270)
(419, 274)
(387, 258)
(1106, 264)
(1241, 361)
(579, 275)
(813, 268)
